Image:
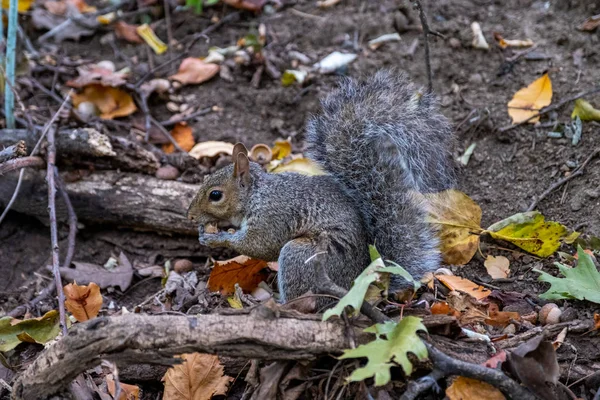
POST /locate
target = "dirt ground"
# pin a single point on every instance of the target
(505, 173)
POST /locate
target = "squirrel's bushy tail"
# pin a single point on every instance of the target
(383, 141)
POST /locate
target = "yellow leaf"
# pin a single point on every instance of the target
(111, 102)
(497, 267)
(151, 39)
(528, 101)
(200, 377)
(235, 302)
(471, 389)
(458, 217)
(22, 5)
(454, 282)
(585, 111)
(303, 166)
(531, 232)
(281, 149)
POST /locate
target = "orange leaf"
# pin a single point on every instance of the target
(596, 322)
(443, 308)
(128, 392)
(199, 377)
(127, 32)
(464, 285)
(245, 271)
(250, 5)
(84, 302)
(182, 133)
(193, 71)
(528, 101)
(471, 389)
(500, 318)
(111, 102)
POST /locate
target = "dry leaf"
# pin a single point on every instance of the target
(84, 273)
(590, 24)
(500, 318)
(504, 43)
(127, 32)
(200, 377)
(464, 285)
(211, 149)
(245, 271)
(94, 74)
(182, 133)
(303, 166)
(596, 322)
(327, 3)
(585, 111)
(471, 389)
(128, 392)
(528, 101)
(194, 71)
(458, 217)
(250, 5)
(497, 267)
(148, 35)
(84, 302)
(281, 149)
(111, 102)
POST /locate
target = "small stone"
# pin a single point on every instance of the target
(592, 193)
(476, 79)
(454, 43)
(569, 314)
(167, 173)
(182, 266)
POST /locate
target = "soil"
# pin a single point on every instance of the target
(504, 175)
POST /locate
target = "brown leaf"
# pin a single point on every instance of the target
(194, 71)
(200, 377)
(182, 133)
(84, 302)
(596, 322)
(500, 318)
(245, 271)
(471, 389)
(590, 24)
(497, 267)
(128, 392)
(93, 74)
(250, 5)
(111, 102)
(464, 285)
(85, 273)
(127, 32)
(211, 149)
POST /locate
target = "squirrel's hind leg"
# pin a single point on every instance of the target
(295, 276)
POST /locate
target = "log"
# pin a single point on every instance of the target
(109, 197)
(16, 150)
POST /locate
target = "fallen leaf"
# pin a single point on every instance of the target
(458, 217)
(500, 318)
(84, 302)
(199, 377)
(471, 389)
(504, 43)
(235, 302)
(467, 309)
(94, 74)
(590, 24)
(85, 273)
(245, 271)
(585, 111)
(303, 166)
(596, 321)
(195, 71)
(127, 32)
(528, 101)
(148, 35)
(182, 133)
(211, 149)
(327, 3)
(250, 5)
(22, 5)
(581, 282)
(531, 232)
(497, 267)
(281, 149)
(40, 330)
(464, 285)
(401, 339)
(496, 361)
(128, 392)
(112, 102)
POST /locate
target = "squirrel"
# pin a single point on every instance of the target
(379, 142)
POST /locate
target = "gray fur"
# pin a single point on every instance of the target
(379, 141)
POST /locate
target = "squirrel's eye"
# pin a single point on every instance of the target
(215, 195)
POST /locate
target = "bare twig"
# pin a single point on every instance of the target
(174, 121)
(44, 294)
(553, 107)
(553, 187)
(417, 5)
(167, 134)
(18, 163)
(53, 229)
(60, 185)
(16, 150)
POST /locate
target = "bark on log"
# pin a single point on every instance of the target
(16, 150)
(109, 197)
(86, 146)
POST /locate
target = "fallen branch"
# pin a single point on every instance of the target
(18, 163)
(16, 150)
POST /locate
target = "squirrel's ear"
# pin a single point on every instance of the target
(237, 149)
(241, 168)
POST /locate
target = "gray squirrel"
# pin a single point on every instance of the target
(380, 142)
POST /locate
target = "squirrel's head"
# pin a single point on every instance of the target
(222, 196)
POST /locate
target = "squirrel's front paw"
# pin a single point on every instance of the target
(219, 239)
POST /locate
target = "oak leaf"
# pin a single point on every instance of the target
(528, 101)
(199, 377)
(84, 302)
(245, 271)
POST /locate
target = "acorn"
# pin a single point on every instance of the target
(261, 153)
(549, 314)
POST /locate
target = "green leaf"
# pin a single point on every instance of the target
(383, 353)
(531, 232)
(585, 111)
(38, 330)
(581, 282)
